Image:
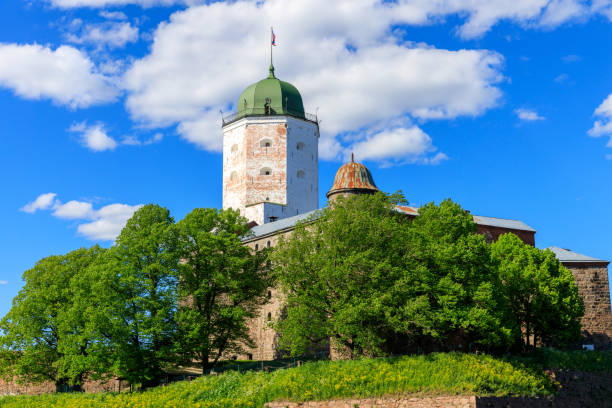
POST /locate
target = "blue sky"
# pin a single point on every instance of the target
(109, 104)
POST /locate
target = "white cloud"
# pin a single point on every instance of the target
(94, 137)
(603, 126)
(528, 115)
(103, 224)
(113, 15)
(3, 282)
(108, 34)
(560, 11)
(571, 58)
(400, 145)
(64, 75)
(73, 210)
(42, 202)
(108, 222)
(197, 66)
(562, 78)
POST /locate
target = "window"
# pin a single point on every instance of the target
(268, 244)
(257, 247)
(269, 294)
(265, 143)
(266, 171)
(233, 176)
(269, 316)
(300, 146)
(300, 174)
(234, 148)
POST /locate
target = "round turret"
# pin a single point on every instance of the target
(270, 96)
(352, 178)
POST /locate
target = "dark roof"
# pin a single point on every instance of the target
(290, 222)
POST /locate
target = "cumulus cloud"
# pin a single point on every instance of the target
(528, 115)
(356, 73)
(3, 282)
(103, 224)
(109, 34)
(476, 16)
(64, 75)
(94, 137)
(399, 145)
(603, 125)
(42, 202)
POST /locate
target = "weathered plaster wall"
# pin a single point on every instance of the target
(270, 159)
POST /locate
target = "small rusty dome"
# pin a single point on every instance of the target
(352, 178)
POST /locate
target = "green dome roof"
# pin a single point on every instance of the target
(270, 96)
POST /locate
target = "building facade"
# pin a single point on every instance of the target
(270, 174)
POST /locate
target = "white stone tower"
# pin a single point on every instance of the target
(270, 153)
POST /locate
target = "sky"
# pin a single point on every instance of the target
(504, 106)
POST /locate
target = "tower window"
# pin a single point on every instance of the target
(300, 146)
(233, 176)
(268, 244)
(300, 174)
(266, 171)
(265, 143)
(234, 148)
(257, 247)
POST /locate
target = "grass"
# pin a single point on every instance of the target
(434, 374)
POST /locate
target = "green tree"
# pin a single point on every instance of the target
(43, 334)
(541, 294)
(458, 279)
(376, 282)
(222, 283)
(133, 299)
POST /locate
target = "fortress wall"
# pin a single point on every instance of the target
(593, 288)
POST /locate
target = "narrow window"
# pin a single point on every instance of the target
(265, 143)
(300, 174)
(257, 247)
(269, 294)
(234, 148)
(300, 146)
(269, 316)
(268, 244)
(266, 171)
(233, 176)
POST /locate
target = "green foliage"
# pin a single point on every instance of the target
(375, 282)
(433, 374)
(133, 299)
(43, 333)
(543, 301)
(221, 285)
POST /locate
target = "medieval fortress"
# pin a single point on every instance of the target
(270, 174)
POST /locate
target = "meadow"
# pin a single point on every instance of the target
(433, 374)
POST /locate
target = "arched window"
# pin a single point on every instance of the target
(234, 148)
(268, 244)
(257, 247)
(266, 171)
(233, 176)
(269, 316)
(269, 294)
(300, 146)
(265, 143)
(300, 174)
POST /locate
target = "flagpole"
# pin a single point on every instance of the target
(271, 45)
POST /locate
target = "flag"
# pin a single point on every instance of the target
(273, 37)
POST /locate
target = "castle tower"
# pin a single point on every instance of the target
(270, 153)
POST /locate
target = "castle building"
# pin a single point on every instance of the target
(270, 174)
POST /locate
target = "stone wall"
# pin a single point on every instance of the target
(12, 388)
(592, 282)
(387, 402)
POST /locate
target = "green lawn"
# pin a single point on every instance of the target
(434, 374)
